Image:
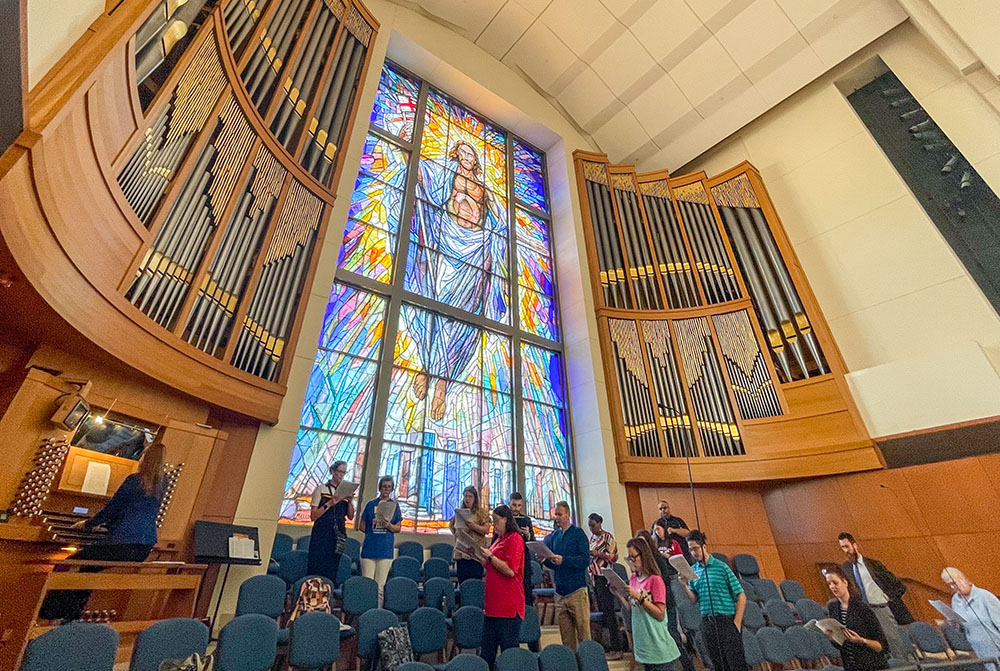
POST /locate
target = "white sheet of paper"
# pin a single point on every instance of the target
(384, 511)
(462, 517)
(466, 544)
(615, 581)
(345, 489)
(241, 548)
(830, 628)
(96, 479)
(540, 549)
(946, 610)
(683, 568)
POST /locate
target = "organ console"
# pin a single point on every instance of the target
(716, 353)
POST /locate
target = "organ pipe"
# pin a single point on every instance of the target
(639, 424)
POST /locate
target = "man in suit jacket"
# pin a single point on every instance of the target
(881, 590)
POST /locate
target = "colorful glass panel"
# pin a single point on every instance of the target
(340, 393)
(384, 161)
(532, 232)
(543, 488)
(542, 375)
(367, 251)
(376, 203)
(353, 322)
(529, 180)
(312, 456)
(538, 314)
(545, 435)
(395, 103)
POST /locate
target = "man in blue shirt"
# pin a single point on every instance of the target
(571, 548)
(979, 608)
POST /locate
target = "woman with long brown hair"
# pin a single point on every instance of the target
(864, 643)
(476, 522)
(130, 520)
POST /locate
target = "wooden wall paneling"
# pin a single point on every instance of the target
(222, 224)
(191, 445)
(177, 183)
(251, 286)
(288, 67)
(109, 108)
(593, 265)
(78, 460)
(310, 111)
(634, 502)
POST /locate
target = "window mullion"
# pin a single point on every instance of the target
(515, 318)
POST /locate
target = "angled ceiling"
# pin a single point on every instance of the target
(658, 82)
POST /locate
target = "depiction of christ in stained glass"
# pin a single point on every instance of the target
(461, 233)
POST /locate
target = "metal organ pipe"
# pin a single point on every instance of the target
(345, 96)
(324, 113)
(606, 271)
(676, 243)
(614, 243)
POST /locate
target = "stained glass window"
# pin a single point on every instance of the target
(337, 413)
(449, 217)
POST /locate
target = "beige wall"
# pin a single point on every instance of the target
(53, 27)
(922, 342)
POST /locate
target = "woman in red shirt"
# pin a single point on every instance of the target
(504, 562)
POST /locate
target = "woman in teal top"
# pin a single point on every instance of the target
(652, 644)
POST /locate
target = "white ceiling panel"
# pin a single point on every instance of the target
(661, 81)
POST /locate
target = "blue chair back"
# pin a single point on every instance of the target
(176, 638)
(282, 544)
(438, 591)
(751, 649)
(428, 631)
(689, 616)
(779, 614)
(314, 641)
(293, 565)
(766, 590)
(753, 616)
(302, 543)
(360, 595)
(464, 662)
(590, 656)
(414, 666)
(749, 590)
(247, 643)
(468, 624)
(263, 595)
(531, 627)
(746, 566)
(792, 591)
(724, 558)
(372, 623)
(536, 574)
(400, 595)
(926, 638)
(76, 646)
(411, 549)
(621, 571)
(557, 657)
(343, 570)
(956, 638)
(405, 567)
(803, 646)
(825, 644)
(352, 548)
(810, 610)
(517, 659)
(775, 646)
(435, 567)
(471, 593)
(445, 551)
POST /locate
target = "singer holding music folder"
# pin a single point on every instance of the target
(864, 645)
(329, 532)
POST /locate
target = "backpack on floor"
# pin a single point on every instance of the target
(393, 648)
(313, 595)
(195, 662)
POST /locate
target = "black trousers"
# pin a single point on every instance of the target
(502, 632)
(724, 643)
(529, 594)
(69, 604)
(467, 568)
(609, 620)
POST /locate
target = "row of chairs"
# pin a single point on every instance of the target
(283, 543)
(246, 643)
(293, 565)
(589, 657)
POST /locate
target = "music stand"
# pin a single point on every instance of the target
(211, 546)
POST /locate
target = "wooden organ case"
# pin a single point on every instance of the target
(718, 361)
(176, 178)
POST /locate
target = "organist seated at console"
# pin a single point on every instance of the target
(130, 520)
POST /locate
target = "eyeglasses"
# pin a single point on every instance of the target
(632, 558)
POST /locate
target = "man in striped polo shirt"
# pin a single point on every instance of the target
(722, 601)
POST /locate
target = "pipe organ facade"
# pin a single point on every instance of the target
(716, 354)
(205, 138)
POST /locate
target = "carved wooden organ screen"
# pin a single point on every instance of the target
(231, 174)
(713, 345)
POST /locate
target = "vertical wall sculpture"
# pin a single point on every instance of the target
(706, 337)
